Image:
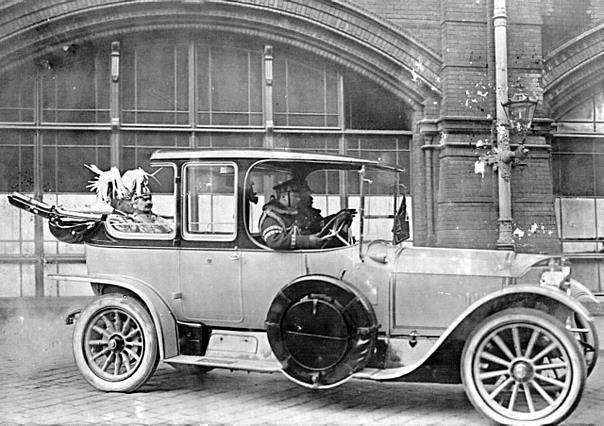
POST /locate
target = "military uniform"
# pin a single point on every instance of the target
(284, 228)
(143, 223)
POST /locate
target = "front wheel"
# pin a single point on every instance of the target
(115, 344)
(521, 366)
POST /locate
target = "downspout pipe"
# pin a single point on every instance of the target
(500, 20)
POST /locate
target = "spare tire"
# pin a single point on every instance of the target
(321, 330)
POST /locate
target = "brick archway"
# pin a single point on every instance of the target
(573, 69)
(335, 30)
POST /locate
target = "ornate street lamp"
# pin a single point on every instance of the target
(520, 110)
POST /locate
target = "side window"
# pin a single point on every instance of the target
(210, 204)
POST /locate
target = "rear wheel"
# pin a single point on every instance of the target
(521, 366)
(115, 344)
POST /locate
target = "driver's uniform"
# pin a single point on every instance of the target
(284, 228)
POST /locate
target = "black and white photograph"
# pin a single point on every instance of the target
(301, 212)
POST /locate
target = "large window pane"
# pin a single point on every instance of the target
(16, 96)
(16, 161)
(229, 140)
(229, 86)
(578, 217)
(17, 230)
(599, 174)
(574, 174)
(75, 86)
(307, 142)
(370, 107)
(304, 95)
(385, 149)
(138, 147)
(575, 166)
(64, 155)
(155, 83)
(582, 112)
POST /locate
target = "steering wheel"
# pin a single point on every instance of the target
(336, 226)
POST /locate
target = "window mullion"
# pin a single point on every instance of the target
(114, 105)
(325, 111)
(175, 84)
(340, 88)
(249, 88)
(192, 85)
(267, 82)
(210, 105)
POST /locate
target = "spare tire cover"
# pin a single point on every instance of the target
(321, 330)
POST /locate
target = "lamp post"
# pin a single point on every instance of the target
(519, 111)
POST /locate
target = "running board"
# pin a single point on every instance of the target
(266, 366)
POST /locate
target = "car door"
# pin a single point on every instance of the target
(210, 263)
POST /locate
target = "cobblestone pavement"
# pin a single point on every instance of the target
(41, 385)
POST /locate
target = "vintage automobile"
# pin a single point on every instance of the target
(210, 293)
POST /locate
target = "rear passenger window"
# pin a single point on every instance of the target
(210, 207)
(158, 223)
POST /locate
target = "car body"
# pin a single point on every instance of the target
(211, 294)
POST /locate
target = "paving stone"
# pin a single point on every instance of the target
(41, 391)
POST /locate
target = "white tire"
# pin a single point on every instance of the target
(115, 344)
(521, 366)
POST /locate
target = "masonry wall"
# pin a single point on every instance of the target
(420, 19)
(565, 19)
(467, 203)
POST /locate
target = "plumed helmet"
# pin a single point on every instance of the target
(136, 182)
(110, 186)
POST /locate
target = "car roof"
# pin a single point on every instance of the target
(262, 154)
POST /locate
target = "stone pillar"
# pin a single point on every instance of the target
(468, 203)
(466, 214)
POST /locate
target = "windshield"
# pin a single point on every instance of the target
(332, 188)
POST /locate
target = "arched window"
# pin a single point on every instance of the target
(578, 178)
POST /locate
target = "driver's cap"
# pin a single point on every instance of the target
(292, 185)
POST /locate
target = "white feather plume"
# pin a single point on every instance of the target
(108, 184)
(136, 181)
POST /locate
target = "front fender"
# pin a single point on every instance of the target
(163, 320)
(442, 359)
(581, 293)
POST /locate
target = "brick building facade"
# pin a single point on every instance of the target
(107, 82)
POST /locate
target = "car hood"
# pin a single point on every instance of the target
(451, 261)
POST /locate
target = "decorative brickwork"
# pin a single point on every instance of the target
(573, 69)
(336, 30)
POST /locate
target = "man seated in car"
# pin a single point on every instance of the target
(142, 218)
(290, 222)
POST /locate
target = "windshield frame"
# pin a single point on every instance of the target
(306, 167)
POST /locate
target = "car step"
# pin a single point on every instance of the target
(267, 366)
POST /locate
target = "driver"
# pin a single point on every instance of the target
(289, 221)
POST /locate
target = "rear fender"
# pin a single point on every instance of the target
(163, 320)
(441, 362)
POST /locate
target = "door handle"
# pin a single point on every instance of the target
(234, 256)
